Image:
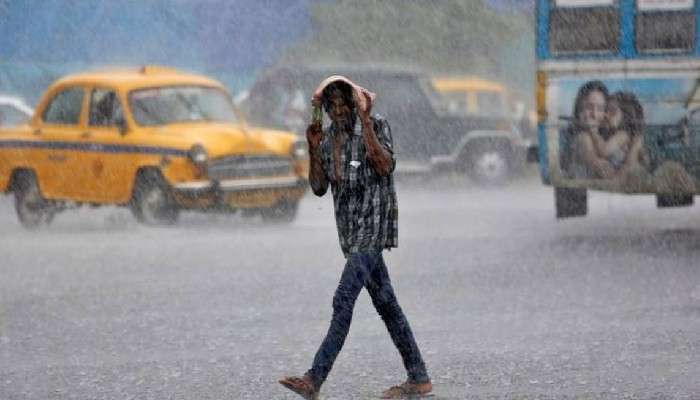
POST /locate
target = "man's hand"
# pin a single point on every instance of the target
(364, 112)
(314, 134)
(317, 178)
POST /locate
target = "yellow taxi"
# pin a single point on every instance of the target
(474, 96)
(497, 144)
(154, 139)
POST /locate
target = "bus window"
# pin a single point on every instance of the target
(576, 29)
(663, 30)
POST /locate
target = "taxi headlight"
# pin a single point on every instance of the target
(300, 149)
(198, 155)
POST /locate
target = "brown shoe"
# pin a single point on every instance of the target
(303, 386)
(407, 389)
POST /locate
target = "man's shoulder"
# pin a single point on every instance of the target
(379, 118)
(381, 124)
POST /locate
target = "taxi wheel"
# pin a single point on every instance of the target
(283, 212)
(32, 209)
(489, 166)
(152, 203)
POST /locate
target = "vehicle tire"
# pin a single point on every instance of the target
(488, 165)
(570, 202)
(283, 212)
(33, 211)
(153, 202)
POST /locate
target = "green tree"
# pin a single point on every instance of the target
(442, 36)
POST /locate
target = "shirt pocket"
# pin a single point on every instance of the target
(356, 171)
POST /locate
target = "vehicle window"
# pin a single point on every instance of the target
(693, 119)
(167, 105)
(692, 126)
(12, 116)
(404, 93)
(490, 104)
(105, 108)
(288, 108)
(584, 29)
(455, 102)
(665, 30)
(431, 94)
(65, 107)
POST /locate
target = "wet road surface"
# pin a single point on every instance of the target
(505, 302)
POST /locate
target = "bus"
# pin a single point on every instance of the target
(618, 100)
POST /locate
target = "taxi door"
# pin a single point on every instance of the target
(57, 156)
(110, 165)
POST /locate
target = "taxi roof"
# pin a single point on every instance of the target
(131, 78)
(458, 83)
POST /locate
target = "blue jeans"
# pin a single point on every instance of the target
(367, 269)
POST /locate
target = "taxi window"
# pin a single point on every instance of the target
(179, 104)
(455, 102)
(65, 107)
(105, 108)
(490, 104)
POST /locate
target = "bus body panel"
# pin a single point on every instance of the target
(646, 55)
(669, 97)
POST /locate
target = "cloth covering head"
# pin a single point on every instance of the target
(358, 92)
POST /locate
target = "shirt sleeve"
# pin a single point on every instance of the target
(383, 131)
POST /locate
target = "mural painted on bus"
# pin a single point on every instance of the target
(638, 134)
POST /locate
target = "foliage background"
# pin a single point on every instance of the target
(442, 37)
(234, 39)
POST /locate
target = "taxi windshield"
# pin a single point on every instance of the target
(177, 104)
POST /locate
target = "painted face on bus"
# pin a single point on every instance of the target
(593, 110)
(613, 114)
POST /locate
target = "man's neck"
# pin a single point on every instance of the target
(342, 133)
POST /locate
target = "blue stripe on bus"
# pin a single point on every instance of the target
(627, 29)
(92, 147)
(542, 15)
(697, 29)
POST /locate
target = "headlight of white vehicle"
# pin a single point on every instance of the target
(198, 155)
(300, 149)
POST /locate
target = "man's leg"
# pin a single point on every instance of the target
(384, 300)
(351, 283)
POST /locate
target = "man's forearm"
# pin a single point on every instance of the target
(317, 179)
(378, 156)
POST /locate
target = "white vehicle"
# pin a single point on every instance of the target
(14, 111)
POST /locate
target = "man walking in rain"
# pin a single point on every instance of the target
(355, 156)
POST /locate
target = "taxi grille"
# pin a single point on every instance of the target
(249, 166)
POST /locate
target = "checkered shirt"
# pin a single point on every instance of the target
(366, 209)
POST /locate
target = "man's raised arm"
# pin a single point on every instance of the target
(378, 156)
(317, 177)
